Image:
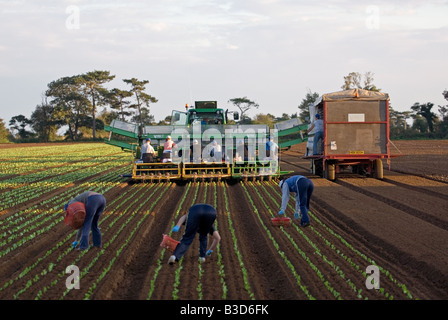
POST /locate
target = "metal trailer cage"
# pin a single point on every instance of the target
(356, 133)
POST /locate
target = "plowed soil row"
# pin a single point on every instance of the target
(398, 224)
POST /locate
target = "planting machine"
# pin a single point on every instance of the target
(224, 148)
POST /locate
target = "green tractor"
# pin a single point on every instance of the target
(208, 146)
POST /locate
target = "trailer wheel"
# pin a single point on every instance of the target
(330, 171)
(378, 167)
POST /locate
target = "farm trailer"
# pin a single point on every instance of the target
(356, 133)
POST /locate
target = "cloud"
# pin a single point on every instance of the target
(272, 51)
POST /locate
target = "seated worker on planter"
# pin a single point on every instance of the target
(216, 152)
(200, 220)
(147, 151)
(94, 204)
(303, 188)
(242, 152)
(271, 148)
(195, 152)
(168, 147)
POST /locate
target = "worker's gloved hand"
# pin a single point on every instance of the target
(281, 212)
(209, 252)
(74, 244)
(176, 228)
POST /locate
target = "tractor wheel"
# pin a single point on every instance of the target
(378, 167)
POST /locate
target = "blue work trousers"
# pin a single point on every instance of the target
(305, 189)
(317, 136)
(94, 208)
(200, 220)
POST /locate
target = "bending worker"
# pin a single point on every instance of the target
(303, 188)
(94, 205)
(200, 220)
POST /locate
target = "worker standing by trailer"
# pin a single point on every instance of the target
(318, 124)
(355, 133)
(303, 188)
(200, 220)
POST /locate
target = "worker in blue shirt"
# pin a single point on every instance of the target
(303, 189)
(200, 220)
(319, 132)
(271, 148)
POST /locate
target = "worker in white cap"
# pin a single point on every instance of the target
(303, 189)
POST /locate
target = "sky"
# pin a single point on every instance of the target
(271, 51)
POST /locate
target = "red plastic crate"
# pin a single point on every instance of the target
(169, 243)
(281, 221)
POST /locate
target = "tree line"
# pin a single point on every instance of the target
(72, 103)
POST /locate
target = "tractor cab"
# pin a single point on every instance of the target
(204, 113)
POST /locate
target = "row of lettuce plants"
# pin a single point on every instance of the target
(130, 236)
(277, 246)
(175, 293)
(221, 269)
(320, 275)
(238, 254)
(56, 248)
(346, 257)
(100, 186)
(22, 160)
(31, 222)
(161, 258)
(119, 211)
(33, 190)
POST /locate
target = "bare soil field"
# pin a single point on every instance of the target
(398, 224)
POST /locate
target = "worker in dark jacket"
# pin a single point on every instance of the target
(94, 203)
(200, 220)
(303, 189)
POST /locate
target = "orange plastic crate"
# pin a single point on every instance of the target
(281, 221)
(169, 243)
